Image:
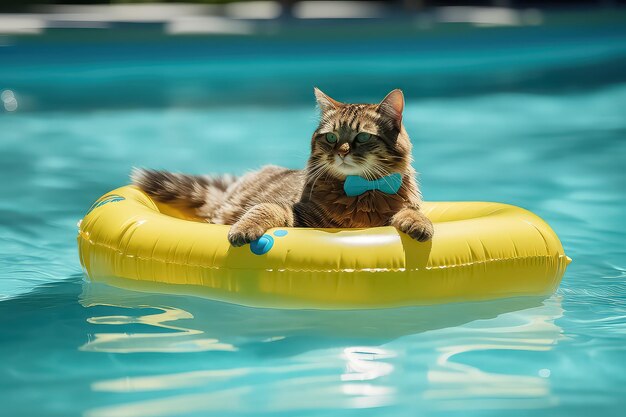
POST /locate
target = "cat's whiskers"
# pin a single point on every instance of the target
(322, 172)
(369, 172)
(315, 172)
(381, 173)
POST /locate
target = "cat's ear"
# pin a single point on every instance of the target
(392, 106)
(325, 102)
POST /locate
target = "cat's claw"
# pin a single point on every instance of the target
(421, 232)
(417, 226)
(239, 236)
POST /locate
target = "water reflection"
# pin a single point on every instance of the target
(264, 332)
(177, 339)
(366, 364)
(452, 381)
(317, 360)
(363, 363)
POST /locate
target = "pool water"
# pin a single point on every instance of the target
(551, 138)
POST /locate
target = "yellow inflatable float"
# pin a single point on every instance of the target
(480, 251)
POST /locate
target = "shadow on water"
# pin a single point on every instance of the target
(170, 323)
(109, 319)
(316, 359)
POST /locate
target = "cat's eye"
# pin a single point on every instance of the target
(331, 138)
(363, 137)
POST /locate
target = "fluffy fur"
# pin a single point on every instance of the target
(313, 197)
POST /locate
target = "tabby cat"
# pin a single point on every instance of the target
(364, 140)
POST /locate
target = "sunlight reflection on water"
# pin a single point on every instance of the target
(358, 376)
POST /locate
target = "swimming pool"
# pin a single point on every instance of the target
(526, 116)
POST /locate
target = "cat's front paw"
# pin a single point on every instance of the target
(413, 224)
(241, 234)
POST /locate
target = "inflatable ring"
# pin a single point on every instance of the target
(480, 251)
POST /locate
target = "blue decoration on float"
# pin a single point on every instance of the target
(262, 245)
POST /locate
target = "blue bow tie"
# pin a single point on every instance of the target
(356, 185)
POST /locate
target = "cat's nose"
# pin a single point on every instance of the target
(343, 150)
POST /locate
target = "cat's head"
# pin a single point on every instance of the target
(360, 139)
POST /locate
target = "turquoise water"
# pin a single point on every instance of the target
(551, 138)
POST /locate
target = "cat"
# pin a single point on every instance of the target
(366, 140)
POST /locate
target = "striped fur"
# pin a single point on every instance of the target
(313, 197)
